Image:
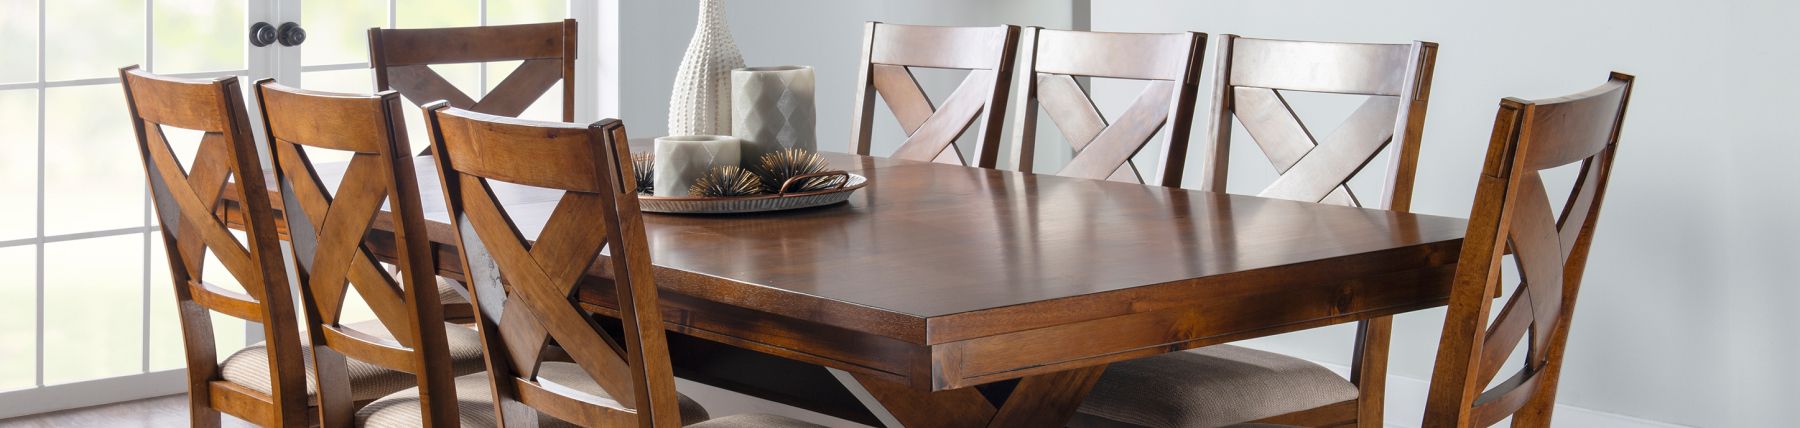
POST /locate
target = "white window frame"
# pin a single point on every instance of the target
(282, 63)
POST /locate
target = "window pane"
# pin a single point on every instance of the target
(93, 312)
(93, 179)
(75, 50)
(18, 317)
(437, 13)
(525, 11)
(166, 350)
(18, 40)
(357, 81)
(18, 164)
(200, 35)
(337, 30)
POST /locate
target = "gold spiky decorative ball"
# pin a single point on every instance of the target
(643, 165)
(726, 181)
(777, 167)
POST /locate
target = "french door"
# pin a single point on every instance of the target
(86, 309)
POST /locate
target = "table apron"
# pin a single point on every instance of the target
(1102, 341)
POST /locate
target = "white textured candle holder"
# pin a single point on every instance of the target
(772, 109)
(682, 159)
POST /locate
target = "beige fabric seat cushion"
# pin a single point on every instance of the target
(250, 366)
(449, 293)
(475, 401)
(755, 421)
(1208, 387)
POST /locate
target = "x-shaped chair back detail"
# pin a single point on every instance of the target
(523, 289)
(402, 60)
(1512, 211)
(187, 198)
(1253, 74)
(1103, 149)
(327, 232)
(892, 51)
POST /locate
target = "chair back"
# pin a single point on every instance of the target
(523, 288)
(187, 198)
(402, 59)
(1513, 215)
(1253, 75)
(327, 230)
(1103, 149)
(892, 51)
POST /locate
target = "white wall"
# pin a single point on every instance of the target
(1682, 317)
(826, 34)
(1682, 313)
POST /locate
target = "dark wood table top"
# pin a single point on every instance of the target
(943, 276)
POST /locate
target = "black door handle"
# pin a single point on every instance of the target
(290, 34)
(262, 34)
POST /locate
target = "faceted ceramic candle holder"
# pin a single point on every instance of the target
(772, 109)
(682, 159)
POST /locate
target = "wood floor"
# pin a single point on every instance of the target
(170, 411)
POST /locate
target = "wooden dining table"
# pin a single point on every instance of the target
(945, 295)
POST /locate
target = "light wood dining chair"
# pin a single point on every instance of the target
(266, 383)
(892, 51)
(1513, 214)
(402, 59)
(523, 288)
(408, 344)
(1103, 149)
(1252, 77)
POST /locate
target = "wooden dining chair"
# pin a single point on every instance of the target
(1103, 149)
(1252, 77)
(892, 51)
(1513, 215)
(402, 59)
(523, 288)
(408, 344)
(187, 196)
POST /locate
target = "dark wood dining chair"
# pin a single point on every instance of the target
(523, 288)
(1252, 77)
(408, 344)
(1513, 214)
(892, 51)
(265, 383)
(1103, 149)
(402, 59)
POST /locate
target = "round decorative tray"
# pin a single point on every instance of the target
(759, 203)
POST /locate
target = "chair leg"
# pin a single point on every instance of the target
(200, 416)
(1369, 371)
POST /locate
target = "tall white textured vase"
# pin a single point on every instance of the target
(701, 101)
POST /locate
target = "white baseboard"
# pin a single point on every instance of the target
(1406, 406)
(92, 393)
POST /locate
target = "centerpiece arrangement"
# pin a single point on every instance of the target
(767, 162)
(781, 180)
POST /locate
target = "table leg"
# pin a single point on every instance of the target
(1047, 400)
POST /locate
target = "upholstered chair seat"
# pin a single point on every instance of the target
(475, 404)
(1208, 387)
(755, 420)
(475, 401)
(250, 366)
